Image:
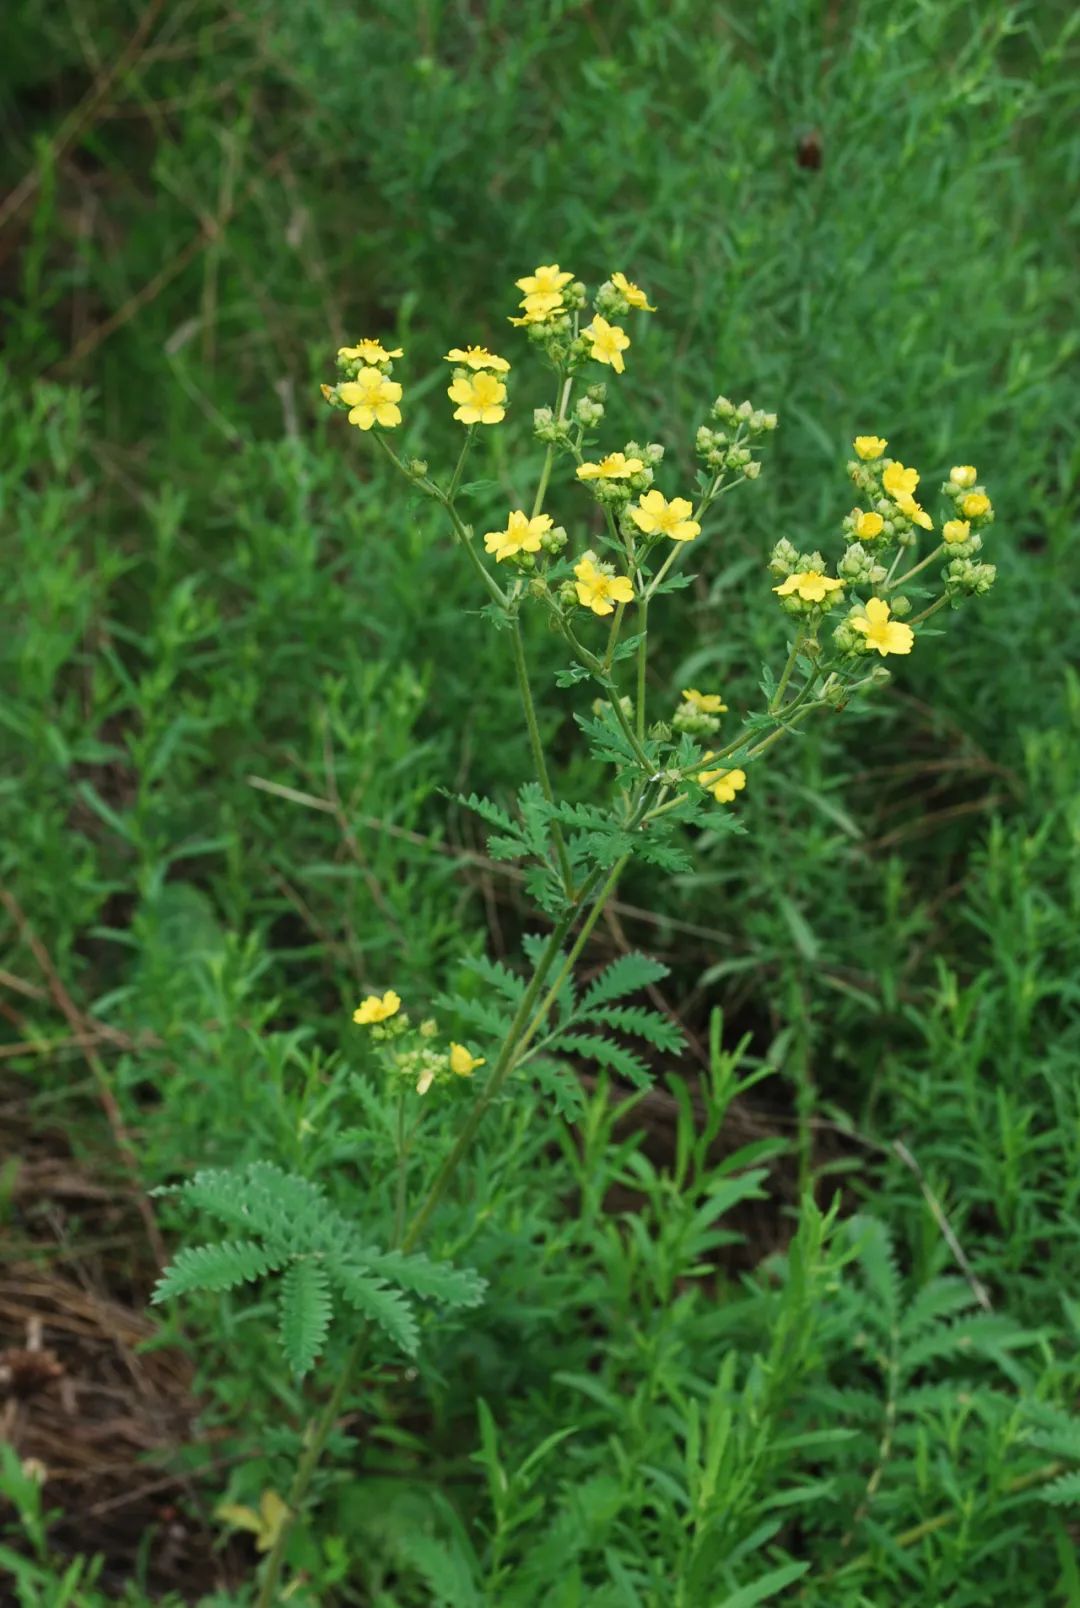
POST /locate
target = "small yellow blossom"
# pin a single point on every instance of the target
(722, 784)
(265, 1525)
(616, 466)
(706, 703)
(887, 636)
(368, 352)
(480, 398)
(463, 1062)
(975, 504)
(655, 515)
(963, 475)
(609, 342)
(913, 511)
(477, 357)
(374, 1009)
(633, 293)
(522, 535)
(956, 530)
(811, 586)
(869, 447)
(372, 399)
(868, 525)
(599, 591)
(539, 307)
(898, 481)
(545, 280)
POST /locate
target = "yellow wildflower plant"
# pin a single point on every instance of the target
(631, 293)
(869, 447)
(462, 1062)
(371, 399)
(480, 398)
(963, 475)
(377, 1008)
(522, 535)
(616, 466)
(898, 481)
(810, 585)
(657, 516)
(546, 280)
(705, 703)
(608, 341)
(722, 784)
(956, 530)
(866, 526)
(880, 632)
(598, 589)
(369, 352)
(477, 357)
(976, 505)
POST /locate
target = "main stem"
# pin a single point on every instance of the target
(539, 762)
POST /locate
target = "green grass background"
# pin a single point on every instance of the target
(208, 579)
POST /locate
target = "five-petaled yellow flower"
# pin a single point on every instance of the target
(522, 535)
(464, 1063)
(372, 399)
(633, 293)
(722, 784)
(869, 447)
(706, 703)
(868, 525)
(609, 342)
(913, 510)
(898, 481)
(373, 1009)
(539, 307)
(616, 466)
(601, 592)
(887, 636)
(956, 530)
(975, 504)
(811, 586)
(544, 280)
(963, 475)
(477, 357)
(655, 515)
(480, 399)
(369, 352)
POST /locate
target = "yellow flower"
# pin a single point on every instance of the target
(599, 591)
(898, 481)
(522, 535)
(543, 281)
(633, 293)
(616, 466)
(609, 342)
(956, 530)
(706, 703)
(811, 586)
(867, 526)
(975, 504)
(963, 475)
(462, 1062)
(887, 636)
(369, 352)
(372, 399)
(869, 447)
(911, 509)
(374, 1009)
(539, 307)
(477, 357)
(655, 515)
(265, 1525)
(480, 398)
(722, 784)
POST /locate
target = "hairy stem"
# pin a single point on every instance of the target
(539, 762)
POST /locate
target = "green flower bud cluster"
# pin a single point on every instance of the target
(651, 453)
(784, 560)
(610, 302)
(754, 421)
(859, 568)
(963, 578)
(422, 1064)
(849, 641)
(547, 428)
(601, 705)
(587, 412)
(694, 721)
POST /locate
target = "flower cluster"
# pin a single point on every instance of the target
(729, 441)
(415, 1057)
(366, 391)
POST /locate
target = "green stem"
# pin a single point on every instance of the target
(933, 609)
(642, 658)
(539, 762)
(549, 455)
(402, 1169)
(455, 479)
(613, 635)
(796, 647)
(571, 960)
(921, 565)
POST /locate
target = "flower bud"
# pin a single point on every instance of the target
(752, 470)
(785, 556)
(900, 606)
(417, 467)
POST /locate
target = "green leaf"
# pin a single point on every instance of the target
(561, 1087)
(438, 1281)
(371, 1296)
(214, 1267)
(305, 1313)
(657, 1030)
(768, 1586)
(624, 1062)
(624, 976)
